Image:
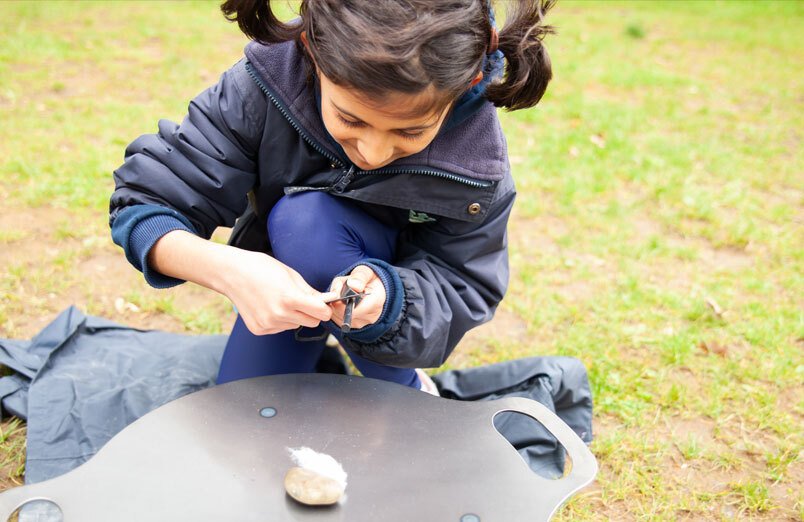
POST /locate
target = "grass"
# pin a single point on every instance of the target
(12, 452)
(657, 234)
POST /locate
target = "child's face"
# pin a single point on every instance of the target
(374, 136)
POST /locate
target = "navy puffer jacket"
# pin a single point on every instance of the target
(257, 134)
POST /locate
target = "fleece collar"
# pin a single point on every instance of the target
(471, 143)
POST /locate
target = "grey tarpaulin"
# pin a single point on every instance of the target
(560, 383)
(82, 379)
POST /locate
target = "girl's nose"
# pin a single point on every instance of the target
(375, 150)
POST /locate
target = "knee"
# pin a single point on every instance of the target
(301, 228)
(298, 218)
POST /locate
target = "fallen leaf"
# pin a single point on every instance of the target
(714, 348)
(121, 305)
(715, 307)
(598, 140)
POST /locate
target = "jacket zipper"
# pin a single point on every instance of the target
(436, 173)
(344, 180)
(351, 173)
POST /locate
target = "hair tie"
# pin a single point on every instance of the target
(494, 41)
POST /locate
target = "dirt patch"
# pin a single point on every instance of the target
(791, 401)
(695, 428)
(537, 234)
(539, 238)
(37, 222)
(51, 273)
(81, 80)
(684, 273)
(712, 259)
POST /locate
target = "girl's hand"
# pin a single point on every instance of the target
(270, 296)
(368, 311)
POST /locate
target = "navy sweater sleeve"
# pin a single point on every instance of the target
(138, 228)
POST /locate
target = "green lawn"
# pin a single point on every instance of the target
(657, 234)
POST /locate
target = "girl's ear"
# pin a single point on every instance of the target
(477, 79)
(306, 44)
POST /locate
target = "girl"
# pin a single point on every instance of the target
(357, 145)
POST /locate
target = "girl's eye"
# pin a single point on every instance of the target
(406, 135)
(349, 123)
(410, 136)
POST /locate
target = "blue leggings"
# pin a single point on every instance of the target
(319, 236)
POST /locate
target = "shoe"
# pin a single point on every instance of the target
(428, 386)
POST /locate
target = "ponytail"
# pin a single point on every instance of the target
(407, 45)
(528, 69)
(258, 22)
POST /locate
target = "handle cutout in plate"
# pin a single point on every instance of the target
(540, 450)
(37, 510)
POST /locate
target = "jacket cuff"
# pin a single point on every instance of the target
(394, 297)
(136, 229)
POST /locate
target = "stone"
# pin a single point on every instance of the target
(308, 487)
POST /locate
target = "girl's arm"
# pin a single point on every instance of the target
(270, 296)
(193, 176)
(178, 185)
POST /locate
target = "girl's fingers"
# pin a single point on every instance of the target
(310, 305)
(255, 328)
(360, 277)
(338, 308)
(365, 313)
(368, 311)
(337, 318)
(299, 319)
(328, 296)
(337, 285)
(289, 321)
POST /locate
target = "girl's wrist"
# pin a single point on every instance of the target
(220, 270)
(186, 256)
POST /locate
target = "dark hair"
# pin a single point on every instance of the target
(384, 46)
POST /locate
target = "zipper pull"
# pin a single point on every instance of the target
(344, 180)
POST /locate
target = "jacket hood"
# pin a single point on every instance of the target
(470, 143)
